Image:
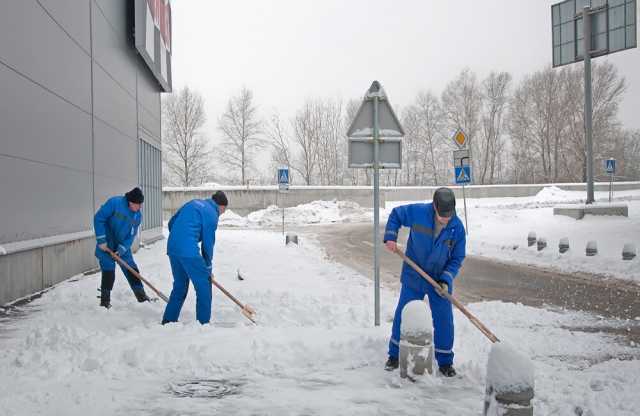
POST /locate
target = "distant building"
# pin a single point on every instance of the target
(80, 85)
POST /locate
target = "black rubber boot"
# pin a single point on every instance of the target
(447, 371)
(141, 296)
(391, 364)
(108, 277)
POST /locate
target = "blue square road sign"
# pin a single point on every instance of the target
(463, 174)
(610, 165)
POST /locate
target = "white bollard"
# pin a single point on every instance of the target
(416, 347)
(628, 251)
(563, 246)
(542, 243)
(510, 383)
(291, 238)
(531, 238)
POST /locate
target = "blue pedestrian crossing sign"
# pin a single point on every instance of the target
(283, 178)
(610, 165)
(463, 174)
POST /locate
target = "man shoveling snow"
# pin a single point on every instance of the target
(437, 244)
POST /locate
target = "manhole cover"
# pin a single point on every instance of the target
(206, 388)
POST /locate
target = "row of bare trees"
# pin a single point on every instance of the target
(530, 132)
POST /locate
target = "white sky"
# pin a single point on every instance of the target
(286, 51)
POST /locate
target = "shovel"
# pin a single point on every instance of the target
(446, 295)
(246, 310)
(136, 274)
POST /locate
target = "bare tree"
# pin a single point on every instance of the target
(630, 154)
(306, 127)
(241, 128)
(608, 88)
(278, 136)
(186, 152)
(331, 138)
(495, 90)
(462, 103)
(433, 135)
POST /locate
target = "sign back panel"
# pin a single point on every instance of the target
(613, 28)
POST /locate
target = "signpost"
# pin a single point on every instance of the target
(610, 27)
(462, 167)
(375, 119)
(283, 186)
(610, 168)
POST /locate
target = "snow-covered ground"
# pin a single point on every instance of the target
(313, 352)
(498, 228)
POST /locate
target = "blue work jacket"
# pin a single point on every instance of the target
(195, 222)
(115, 224)
(441, 257)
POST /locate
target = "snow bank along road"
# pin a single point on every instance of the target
(313, 352)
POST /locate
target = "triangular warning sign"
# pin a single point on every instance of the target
(463, 176)
(388, 123)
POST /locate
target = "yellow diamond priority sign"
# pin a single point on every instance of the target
(460, 139)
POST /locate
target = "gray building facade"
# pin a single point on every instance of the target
(79, 122)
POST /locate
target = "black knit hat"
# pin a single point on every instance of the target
(444, 202)
(135, 196)
(220, 198)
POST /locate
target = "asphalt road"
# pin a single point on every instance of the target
(484, 279)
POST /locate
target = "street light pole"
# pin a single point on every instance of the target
(588, 112)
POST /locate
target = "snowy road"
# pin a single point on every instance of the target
(313, 352)
(486, 279)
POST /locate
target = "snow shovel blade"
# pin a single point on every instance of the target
(248, 315)
(249, 310)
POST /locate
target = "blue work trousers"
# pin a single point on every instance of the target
(185, 269)
(442, 319)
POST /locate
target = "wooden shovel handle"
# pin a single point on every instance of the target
(136, 274)
(475, 321)
(246, 310)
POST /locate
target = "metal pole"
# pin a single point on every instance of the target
(376, 210)
(611, 187)
(586, 27)
(466, 222)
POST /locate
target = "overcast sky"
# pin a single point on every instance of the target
(286, 51)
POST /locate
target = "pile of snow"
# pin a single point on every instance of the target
(2, 251)
(316, 212)
(231, 219)
(508, 370)
(552, 193)
(415, 319)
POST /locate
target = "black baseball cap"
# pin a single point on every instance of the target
(444, 201)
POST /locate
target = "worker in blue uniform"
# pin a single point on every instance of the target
(194, 224)
(437, 244)
(116, 225)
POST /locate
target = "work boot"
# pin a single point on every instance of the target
(141, 296)
(108, 277)
(105, 298)
(391, 364)
(447, 371)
